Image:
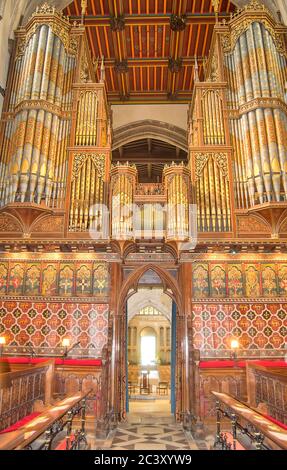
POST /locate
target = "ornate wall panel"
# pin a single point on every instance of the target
(48, 279)
(239, 280)
(43, 325)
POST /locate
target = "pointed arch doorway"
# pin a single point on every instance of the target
(119, 370)
(151, 347)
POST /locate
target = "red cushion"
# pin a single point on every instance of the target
(22, 422)
(58, 361)
(222, 363)
(230, 441)
(282, 425)
(63, 444)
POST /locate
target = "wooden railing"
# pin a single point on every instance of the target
(247, 422)
(269, 387)
(54, 422)
(19, 390)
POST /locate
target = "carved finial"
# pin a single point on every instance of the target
(103, 71)
(84, 9)
(215, 4)
(196, 74)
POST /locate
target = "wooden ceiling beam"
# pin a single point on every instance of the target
(176, 47)
(151, 20)
(155, 61)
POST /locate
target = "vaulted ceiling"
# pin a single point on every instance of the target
(150, 46)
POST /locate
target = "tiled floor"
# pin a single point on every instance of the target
(150, 426)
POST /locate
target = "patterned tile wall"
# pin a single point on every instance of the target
(45, 324)
(261, 326)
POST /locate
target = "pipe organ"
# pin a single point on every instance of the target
(177, 183)
(36, 121)
(56, 137)
(238, 120)
(123, 183)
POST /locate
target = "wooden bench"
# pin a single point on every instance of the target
(46, 423)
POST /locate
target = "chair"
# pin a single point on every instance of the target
(162, 388)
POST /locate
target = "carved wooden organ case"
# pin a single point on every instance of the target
(238, 127)
(55, 131)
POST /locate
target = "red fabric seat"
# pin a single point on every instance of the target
(230, 441)
(222, 364)
(273, 420)
(62, 445)
(58, 361)
(20, 423)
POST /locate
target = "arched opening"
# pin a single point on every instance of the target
(148, 287)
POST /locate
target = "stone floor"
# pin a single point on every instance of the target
(150, 426)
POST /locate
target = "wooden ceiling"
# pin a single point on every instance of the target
(150, 157)
(150, 46)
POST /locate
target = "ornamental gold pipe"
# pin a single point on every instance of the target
(236, 165)
(212, 193)
(261, 60)
(273, 152)
(59, 90)
(81, 119)
(217, 196)
(246, 67)
(239, 75)
(90, 128)
(72, 204)
(28, 72)
(52, 157)
(279, 118)
(17, 160)
(87, 117)
(242, 162)
(14, 87)
(25, 71)
(53, 73)
(92, 194)
(92, 119)
(206, 119)
(248, 159)
(44, 153)
(77, 198)
(79, 109)
(264, 154)
(240, 165)
(83, 187)
(35, 161)
(216, 118)
(57, 162)
(255, 79)
(85, 123)
(222, 182)
(63, 162)
(202, 202)
(87, 194)
(47, 51)
(198, 203)
(206, 195)
(221, 120)
(257, 167)
(40, 57)
(27, 154)
(209, 119)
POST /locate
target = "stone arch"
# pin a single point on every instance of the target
(130, 285)
(150, 129)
